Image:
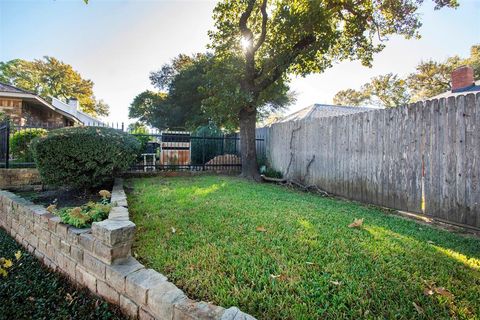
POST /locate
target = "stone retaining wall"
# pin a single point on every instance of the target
(18, 178)
(99, 258)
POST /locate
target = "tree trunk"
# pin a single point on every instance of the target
(248, 119)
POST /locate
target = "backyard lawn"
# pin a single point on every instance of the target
(282, 254)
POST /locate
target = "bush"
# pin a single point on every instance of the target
(20, 143)
(83, 157)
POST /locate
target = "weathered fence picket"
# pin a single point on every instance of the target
(420, 157)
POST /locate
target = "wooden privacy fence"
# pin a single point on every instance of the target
(424, 157)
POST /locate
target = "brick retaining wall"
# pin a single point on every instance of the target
(18, 178)
(99, 259)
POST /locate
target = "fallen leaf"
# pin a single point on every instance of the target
(337, 283)
(18, 255)
(31, 298)
(357, 223)
(274, 276)
(261, 229)
(174, 230)
(444, 292)
(7, 263)
(418, 308)
(310, 263)
(428, 292)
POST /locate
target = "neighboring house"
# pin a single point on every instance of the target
(317, 111)
(72, 107)
(463, 82)
(25, 108)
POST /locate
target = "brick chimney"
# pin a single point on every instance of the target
(462, 77)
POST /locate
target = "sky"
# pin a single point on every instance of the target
(118, 43)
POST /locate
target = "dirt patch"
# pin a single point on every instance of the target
(63, 197)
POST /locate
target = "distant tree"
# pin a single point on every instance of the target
(50, 77)
(196, 91)
(432, 78)
(276, 38)
(178, 104)
(350, 97)
(429, 79)
(151, 108)
(388, 91)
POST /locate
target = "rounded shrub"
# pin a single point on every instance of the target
(20, 143)
(83, 157)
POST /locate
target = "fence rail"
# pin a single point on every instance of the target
(161, 150)
(424, 157)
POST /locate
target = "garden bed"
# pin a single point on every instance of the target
(32, 291)
(282, 254)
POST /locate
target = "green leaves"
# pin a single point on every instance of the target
(84, 157)
(50, 77)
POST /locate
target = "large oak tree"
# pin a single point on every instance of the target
(275, 38)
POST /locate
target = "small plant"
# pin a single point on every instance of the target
(82, 217)
(6, 264)
(270, 172)
(106, 195)
(20, 143)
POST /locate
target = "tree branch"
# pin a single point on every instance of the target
(281, 67)
(246, 32)
(263, 34)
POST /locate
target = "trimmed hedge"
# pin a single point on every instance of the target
(20, 143)
(83, 157)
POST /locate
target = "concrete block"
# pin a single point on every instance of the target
(234, 313)
(110, 254)
(55, 241)
(118, 213)
(65, 247)
(162, 297)
(45, 235)
(129, 307)
(52, 223)
(191, 310)
(116, 273)
(94, 265)
(112, 232)
(145, 315)
(106, 291)
(86, 241)
(76, 253)
(62, 230)
(69, 266)
(139, 282)
(85, 278)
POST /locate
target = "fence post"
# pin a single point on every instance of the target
(7, 148)
(203, 151)
(122, 127)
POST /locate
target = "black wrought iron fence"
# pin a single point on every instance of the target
(161, 150)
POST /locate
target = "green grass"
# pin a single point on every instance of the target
(31, 291)
(308, 264)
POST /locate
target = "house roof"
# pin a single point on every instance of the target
(317, 111)
(475, 88)
(10, 91)
(82, 116)
(4, 87)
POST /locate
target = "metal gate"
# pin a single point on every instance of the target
(4, 144)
